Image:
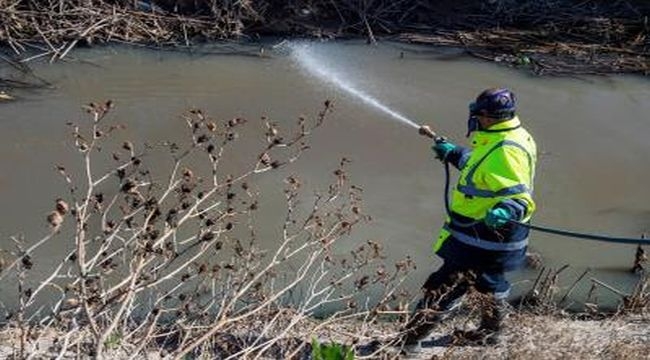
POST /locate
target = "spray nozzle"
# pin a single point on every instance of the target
(426, 131)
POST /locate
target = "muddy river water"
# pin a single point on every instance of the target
(592, 134)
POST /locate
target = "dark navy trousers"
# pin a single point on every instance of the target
(447, 285)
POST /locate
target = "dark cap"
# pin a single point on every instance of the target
(496, 103)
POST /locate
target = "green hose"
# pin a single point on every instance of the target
(547, 229)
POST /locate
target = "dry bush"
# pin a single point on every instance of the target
(639, 300)
(53, 28)
(543, 298)
(548, 337)
(545, 333)
(175, 265)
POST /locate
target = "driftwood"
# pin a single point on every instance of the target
(550, 37)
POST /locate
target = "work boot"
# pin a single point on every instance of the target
(426, 317)
(493, 315)
(421, 323)
(490, 327)
(477, 337)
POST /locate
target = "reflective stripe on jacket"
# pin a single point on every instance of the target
(498, 168)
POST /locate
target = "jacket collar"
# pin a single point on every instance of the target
(504, 126)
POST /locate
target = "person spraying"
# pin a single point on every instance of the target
(483, 236)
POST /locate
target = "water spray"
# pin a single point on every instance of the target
(304, 56)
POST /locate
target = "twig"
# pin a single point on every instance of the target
(609, 287)
(572, 287)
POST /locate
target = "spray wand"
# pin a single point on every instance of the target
(425, 130)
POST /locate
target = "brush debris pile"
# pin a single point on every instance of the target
(550, 37)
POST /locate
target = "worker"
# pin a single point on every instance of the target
(479, 241)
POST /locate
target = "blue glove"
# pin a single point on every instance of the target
(442, 148)
(497, 217)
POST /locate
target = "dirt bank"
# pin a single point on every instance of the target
(546, 337)
(527, 336)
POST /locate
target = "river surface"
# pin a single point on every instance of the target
(592, 134)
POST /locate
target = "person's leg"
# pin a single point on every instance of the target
(443, 293)
(497, 288)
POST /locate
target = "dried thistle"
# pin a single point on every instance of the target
(62, 207)
(265, 159)
(27, 262)
(55, 219)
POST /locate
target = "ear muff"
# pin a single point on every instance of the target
(472, 125)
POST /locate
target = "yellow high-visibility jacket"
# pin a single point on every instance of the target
(497, 170)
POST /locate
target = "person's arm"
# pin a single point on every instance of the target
(507, 167)
(449, 152)
(505, 211)
(458, 156)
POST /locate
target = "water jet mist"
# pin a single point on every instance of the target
(304, 55)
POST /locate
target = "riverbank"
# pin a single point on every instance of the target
(535, 327)
(530, 336)
(526, 336)
(565, 37)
